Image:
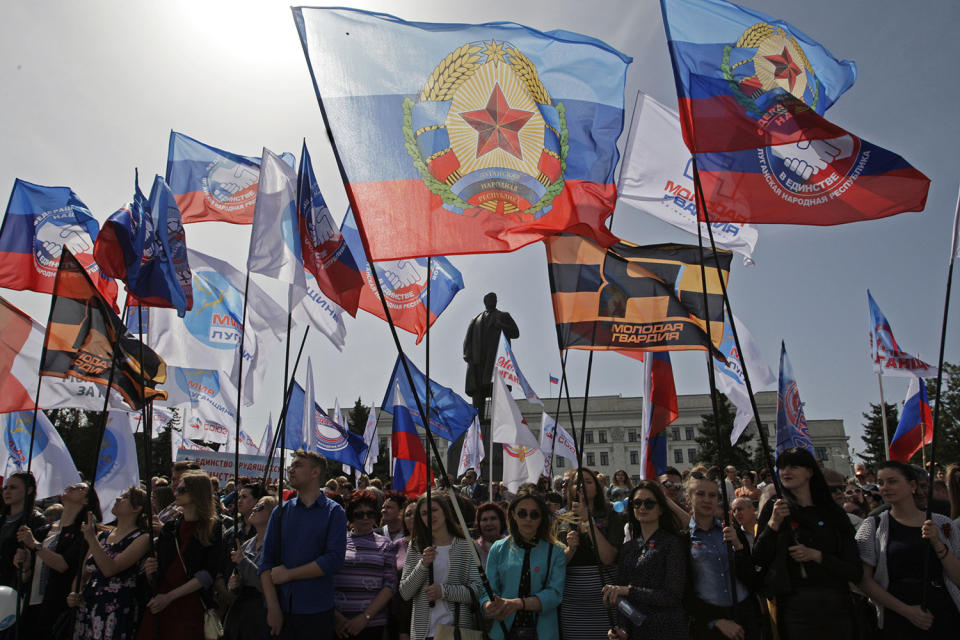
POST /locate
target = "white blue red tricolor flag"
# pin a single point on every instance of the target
(916, 423)
(482, 138)
(409, 457)
(659, 410)
(887, 356)
(752, 91)
(41, 221)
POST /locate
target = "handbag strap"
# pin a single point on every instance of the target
(176, 543)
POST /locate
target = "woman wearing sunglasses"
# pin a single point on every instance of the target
(526, 571)
(652, 569)
(58, 560)
(187, 558)
(366, 583)
(247, 618)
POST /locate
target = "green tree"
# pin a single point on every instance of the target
(875, 452)
(948, 425)
(80, 430)
(721, 453)
(357, 417)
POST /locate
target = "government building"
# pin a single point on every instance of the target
(613, 433)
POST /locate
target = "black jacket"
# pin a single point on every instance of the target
(202, 562)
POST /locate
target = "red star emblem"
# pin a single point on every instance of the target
(785, 67)
(497, 125)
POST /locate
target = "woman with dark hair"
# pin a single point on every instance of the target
(652, 569)
(247, 616)
(620, 488)
(17, 510)
(805, 543)
(108, 608)
(456, 580)
(186, 560)
(893, 545)
(491, 524)
(368, 579)
(748, 487)
(526, 572)
(402, 610)
(582, 589)
(59, 556)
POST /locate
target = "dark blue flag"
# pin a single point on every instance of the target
(450, 415)
(144, 245)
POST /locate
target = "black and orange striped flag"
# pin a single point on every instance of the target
(631, 297)
(83, 333)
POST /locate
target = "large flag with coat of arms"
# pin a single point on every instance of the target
(752, 92)
(484, 138)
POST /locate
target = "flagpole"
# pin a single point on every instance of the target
(147, 422)
(280, 437)
(713, 386)
(764, 439)
(883, 419)
(396, 340)
(936, 406)
(236, 434)
(427, 426)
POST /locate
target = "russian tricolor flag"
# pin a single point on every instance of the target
(659, 410)
(916, 423)
(410, 459)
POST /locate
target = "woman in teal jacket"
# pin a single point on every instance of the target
(526, 571)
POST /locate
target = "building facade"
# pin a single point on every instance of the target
(612, 439)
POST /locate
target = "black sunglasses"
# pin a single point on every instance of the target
(647, 503)
(360, 515)
(258, 507)
(523, 514)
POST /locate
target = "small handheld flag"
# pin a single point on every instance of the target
(791, 423)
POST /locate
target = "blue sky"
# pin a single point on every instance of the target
(92, 90)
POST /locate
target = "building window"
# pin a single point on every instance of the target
(691, 455)
(674, 433)
(602, 436)
(689, 433)
(383, 444)
(821, 453)
(635, 479)
(589, 435)
(591, 459)
(558, 462)
(604, 459)
(631, 436)
(678, 455)
(634, 457)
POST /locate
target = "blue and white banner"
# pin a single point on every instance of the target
(730, 378)
(117, 466)
(52, 465)
(508, 368)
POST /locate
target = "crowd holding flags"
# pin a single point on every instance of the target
(547, 130)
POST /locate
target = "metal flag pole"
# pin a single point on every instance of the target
(936, 405)
(236, 433)
(883, 420)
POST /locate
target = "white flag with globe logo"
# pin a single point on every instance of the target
(52, 465)
(208, 336)
(117, 468)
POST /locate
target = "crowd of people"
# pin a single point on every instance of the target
(706, 554)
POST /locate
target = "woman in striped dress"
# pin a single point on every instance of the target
(583, 587)
(456, 580)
